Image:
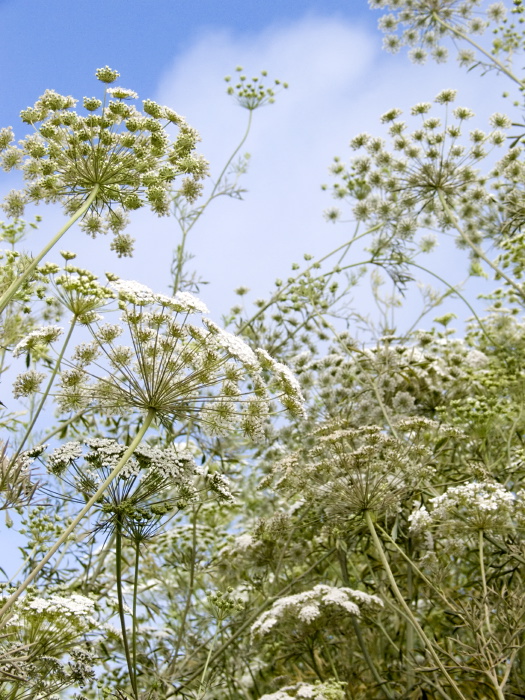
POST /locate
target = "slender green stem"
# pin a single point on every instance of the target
(46, 392)
(185, 231)
(454, 290)
(479, 48)
(418, 571)
(69, 530)
(483, 580)
(313, 266)
(202, 688)
(135, 621)
(122, 616)
(479, 252)
(19, 281)
(191, 582)
(357, 631)
(410, 615)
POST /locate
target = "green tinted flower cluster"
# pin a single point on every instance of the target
(120, 153)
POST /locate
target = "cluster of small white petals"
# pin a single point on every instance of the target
(422, 24)
(27, 383)
(309, 605)
(473, 506)
(40, 337)
(329, 690)
(74, 610)
(233, 344)
(62, 457)
(133, 292)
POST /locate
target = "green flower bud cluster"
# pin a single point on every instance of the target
(253, 94)
(123, 154)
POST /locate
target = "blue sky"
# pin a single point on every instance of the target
(59, 43)
(177, 51)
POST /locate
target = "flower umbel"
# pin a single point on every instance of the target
(121, 153)
(172, 367)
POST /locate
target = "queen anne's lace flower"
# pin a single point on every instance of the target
(175, 368)
(115, 152)
(308, 606)
(468, 508)
(422, 24)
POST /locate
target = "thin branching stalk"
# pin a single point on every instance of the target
(121, 613)
(484, 580)
(410, 615)
(357, 631)
(186, 229)
(479, 48)
(478, 251)
(19, 281)
(135, 620)
(69, 530)
(43, 399)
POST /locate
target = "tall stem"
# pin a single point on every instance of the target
(420, 632)
(483, 580)
(63, 537)
(357, 631)
(118, 554)
(19, 281)
(46, 392)
(135, 623)
(479, 48)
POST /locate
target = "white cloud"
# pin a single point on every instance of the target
(340, 83)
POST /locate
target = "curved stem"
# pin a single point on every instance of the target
(357, 631)
(118, 555)
(69, 530)
(46, 392)
(200, 210)
(314, 265)
(19, 281)
(479, 48)
(410, 615)
(480, 253)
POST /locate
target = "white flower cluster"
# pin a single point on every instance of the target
(62, 611)
(471, 507)
(175, 368)
(310, 605)
(39, 339)
(329, 690)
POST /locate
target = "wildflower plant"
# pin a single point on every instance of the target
(174, 368)
(371, 544)
(101, 165)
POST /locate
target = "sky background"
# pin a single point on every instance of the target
(178, 52)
